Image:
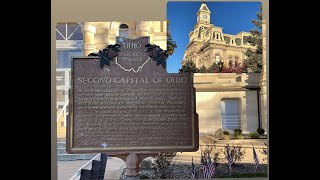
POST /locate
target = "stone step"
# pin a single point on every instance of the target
(61, 151)
(61, 145)
(61, 139)
(74, 157)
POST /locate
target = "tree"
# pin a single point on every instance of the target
(203, 69)
(189, 66)
(254, 56)
(171, 44)
(213, 68)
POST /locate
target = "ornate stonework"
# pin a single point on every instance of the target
(99, 34)
(208, 43)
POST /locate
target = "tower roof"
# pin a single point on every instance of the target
(204, 7)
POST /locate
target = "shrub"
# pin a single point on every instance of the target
(265, 152)
(254, 135)
(146, 163)
(216, 156)
(163, 167)
(236, 153)
(214, 68)
(226, 132)
(260, 131)
(239, 136)
(142, 176)
(203, 69)
(237, 132)
(214, 151)
(226, 137)
(241, 69)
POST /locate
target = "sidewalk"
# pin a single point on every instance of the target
(66, 169)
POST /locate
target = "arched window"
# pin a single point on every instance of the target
(124, 26)
(230, 61)
(68, 31)
(236, 61)
(124, 30)
(69, 42)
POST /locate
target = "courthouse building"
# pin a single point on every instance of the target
(208, 44)
(224, 100)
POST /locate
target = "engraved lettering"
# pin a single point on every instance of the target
(121, 107)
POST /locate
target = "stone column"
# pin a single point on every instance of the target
(144, 30)
(113, 33)
(244, 117)
(88, 39)
(164, 26)
(264, 80)
(242, 39)
(100, 36)
(222, 38)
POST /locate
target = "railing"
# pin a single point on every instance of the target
(88, 165)
(63, 85)
(64, 111)
(231, 121)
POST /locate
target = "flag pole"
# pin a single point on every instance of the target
(200, 172)
(193, 173)
(200, 166)
(254, 168)
(228, 152)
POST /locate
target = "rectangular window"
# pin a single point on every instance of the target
(230, 113)
(64, 57)
(124, 33)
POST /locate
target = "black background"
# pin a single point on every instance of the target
(26, 77)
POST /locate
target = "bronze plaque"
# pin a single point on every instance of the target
(131, 105)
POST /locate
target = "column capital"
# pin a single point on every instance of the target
(89, 28)
(89, 46)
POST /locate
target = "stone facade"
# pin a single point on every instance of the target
(264, 82)
(99, 34)
(208, 44)
(213, 88)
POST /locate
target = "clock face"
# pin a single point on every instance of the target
(204, 16)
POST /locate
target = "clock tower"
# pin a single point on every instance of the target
(203, 14)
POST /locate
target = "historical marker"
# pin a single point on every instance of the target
(124, 100)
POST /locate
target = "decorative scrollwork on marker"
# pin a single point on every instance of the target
(107, 54)
(157, 54)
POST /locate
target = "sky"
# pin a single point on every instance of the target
(233, 17)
